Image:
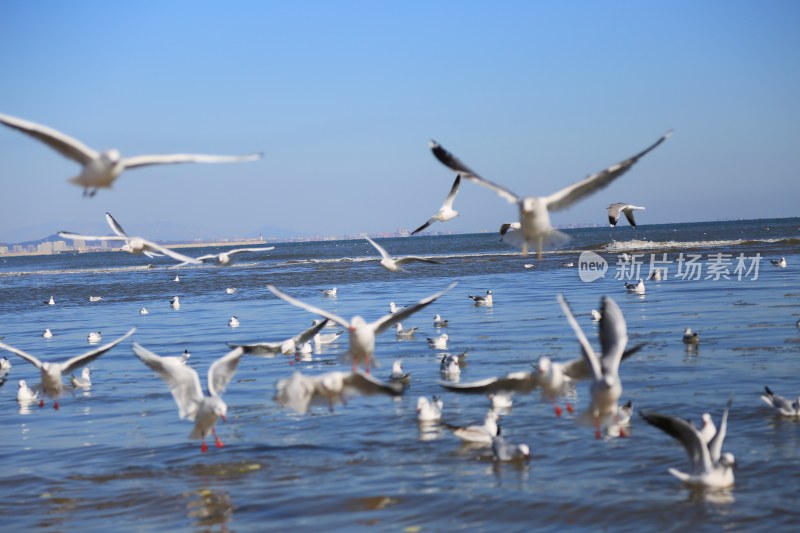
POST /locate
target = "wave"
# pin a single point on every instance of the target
(96, 270)
(626, 246)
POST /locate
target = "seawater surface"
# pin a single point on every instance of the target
(118, 454)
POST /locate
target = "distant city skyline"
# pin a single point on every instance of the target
(343, 98)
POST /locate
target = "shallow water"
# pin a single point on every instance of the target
(117, 453)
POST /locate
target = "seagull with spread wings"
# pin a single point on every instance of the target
(446, 212)
(534, 211)
(286, 347)
(614, 210)
(393, 265)
(100, 169)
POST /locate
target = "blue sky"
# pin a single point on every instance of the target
(342, 98)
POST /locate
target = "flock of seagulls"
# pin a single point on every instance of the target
(556, 381)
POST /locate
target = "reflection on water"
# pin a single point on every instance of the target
(208, 508)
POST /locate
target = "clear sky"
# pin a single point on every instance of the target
(343, 96)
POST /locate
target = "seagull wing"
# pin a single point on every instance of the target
(72, 364)
(413, 258)
(687, 434)
(222, 371)
(308, 334)
(448, 202)
(182, 380)
(170, 159)
(628, 211)
(308, 307)
(613, 335)
(63, 144)
(425, 225)
(380, 249)
(115, 227)
(367, 385)
(261, 348)
(521, 382)
(391, 319)
(295, 392)
(153, 247)
(586, 349)
(715, 446)
(79, 237)
(613, 213)
(569, 195)
(25, 355)
(453, 163)
(238, 250)
(507, 226)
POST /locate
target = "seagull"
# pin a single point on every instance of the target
(47, 333)
(780, 404)
(100, 170)
(655, 275)
(501, 400)
(362, 334)
(534, 211)
(503, 450)
(507, 226)
(327, 338)
(708, 429)
(429, 411)
(710, 467)
(299, 392)
(223, 258)
(51, 373)
(95, 298)
(233, 322)
(440, 342)
(51, 301)
(184, 384)
(230, 290)
(94, 337)
(175, 303)
(596, 316)
(690, 337)
(303, 349)
(177, 279)
(144, 311)
(781, 263)
(5, 364)
(404, 333)
(483, 300)
(528, 265)
(393, 265)
(393, 307)
(621, 427)
(482, 434)
(614, 211)
(637, 288)
(329, 292)
(446, 212)
(606, 387)
(26, 394)
(133, 245)
(285, 347)
(398, 375)
(449, 365)
(83, 382)
(439, 323)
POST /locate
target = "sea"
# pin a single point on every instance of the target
(117, 455)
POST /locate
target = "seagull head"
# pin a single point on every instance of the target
(356, 323)
(111, 156)
(524, 450)
(220, 409)
(422, 403)
(545, 364)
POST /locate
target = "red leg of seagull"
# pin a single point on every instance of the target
(55, 405)
(217, 443)
(41, 403)
(597, 433)
(556, 409)
(570, 409)
(204, 447)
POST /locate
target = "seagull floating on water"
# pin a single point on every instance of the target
(362, 334)
(52, 373)
(100, 170)
(230, 290)
(780, 404)
(482, 300)
(83, 382)
(321, 339)
(446, 212)
(184, 384)
(393, 265)
(438, 322)
(637, 288)
(690, 337)
(429, 411)
(5, 364)
(503, 450)
(95, 298)
(233, 322)
(482, 434)
(614, 211)
(144, 311)
(439, 342)
(94, 337)
(534, 211)
(403, 333)
(329, 292)
(51, 301)
(398, 375)
(26, 394)
(47, 333)
(449, 365)
(780, 263)
(177, 279)
(175, 303)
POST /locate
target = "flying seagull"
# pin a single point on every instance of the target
(534, 211)
(446, 212)
(224, 258)
(614, 211)
(286, 347)
(393, 265)
(299, 391)
(101, 169)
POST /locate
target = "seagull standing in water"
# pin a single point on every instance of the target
(446, 212)
(534, 211)
(184, 384)
(393, 265)
(614, 211)
(101, 169)
(52, 373)
(362, 334)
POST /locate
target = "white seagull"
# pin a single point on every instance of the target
(614, 211)
(144, 311)
(133, 245)
(780, 263)
(329, 292)
(233, 322)
(534, 211)
(321, 339)
(690, 337)
(636, 288)
(223, 258)
(710, 467)
(230, 290)
(26, 394)
(446, 212)
(94, 337)
(655, 275)
(175, 303)
(398, 375)
(482, 434)
(285, 347)
(503, 450)
(708, 429)
(100, 170)
(429, 410)
(177, 279)
(438, 322)
(299, 392)
(439, 342)
(449, 365)
(393, 265)
(5, 364)
(47, 333)
(402, 333)
(782, 405)
(483, 300)
(606, 387)
(184, 384)
(95, 298)
(52, 373)
(362, 334)
(83, 382)
(51, 301)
